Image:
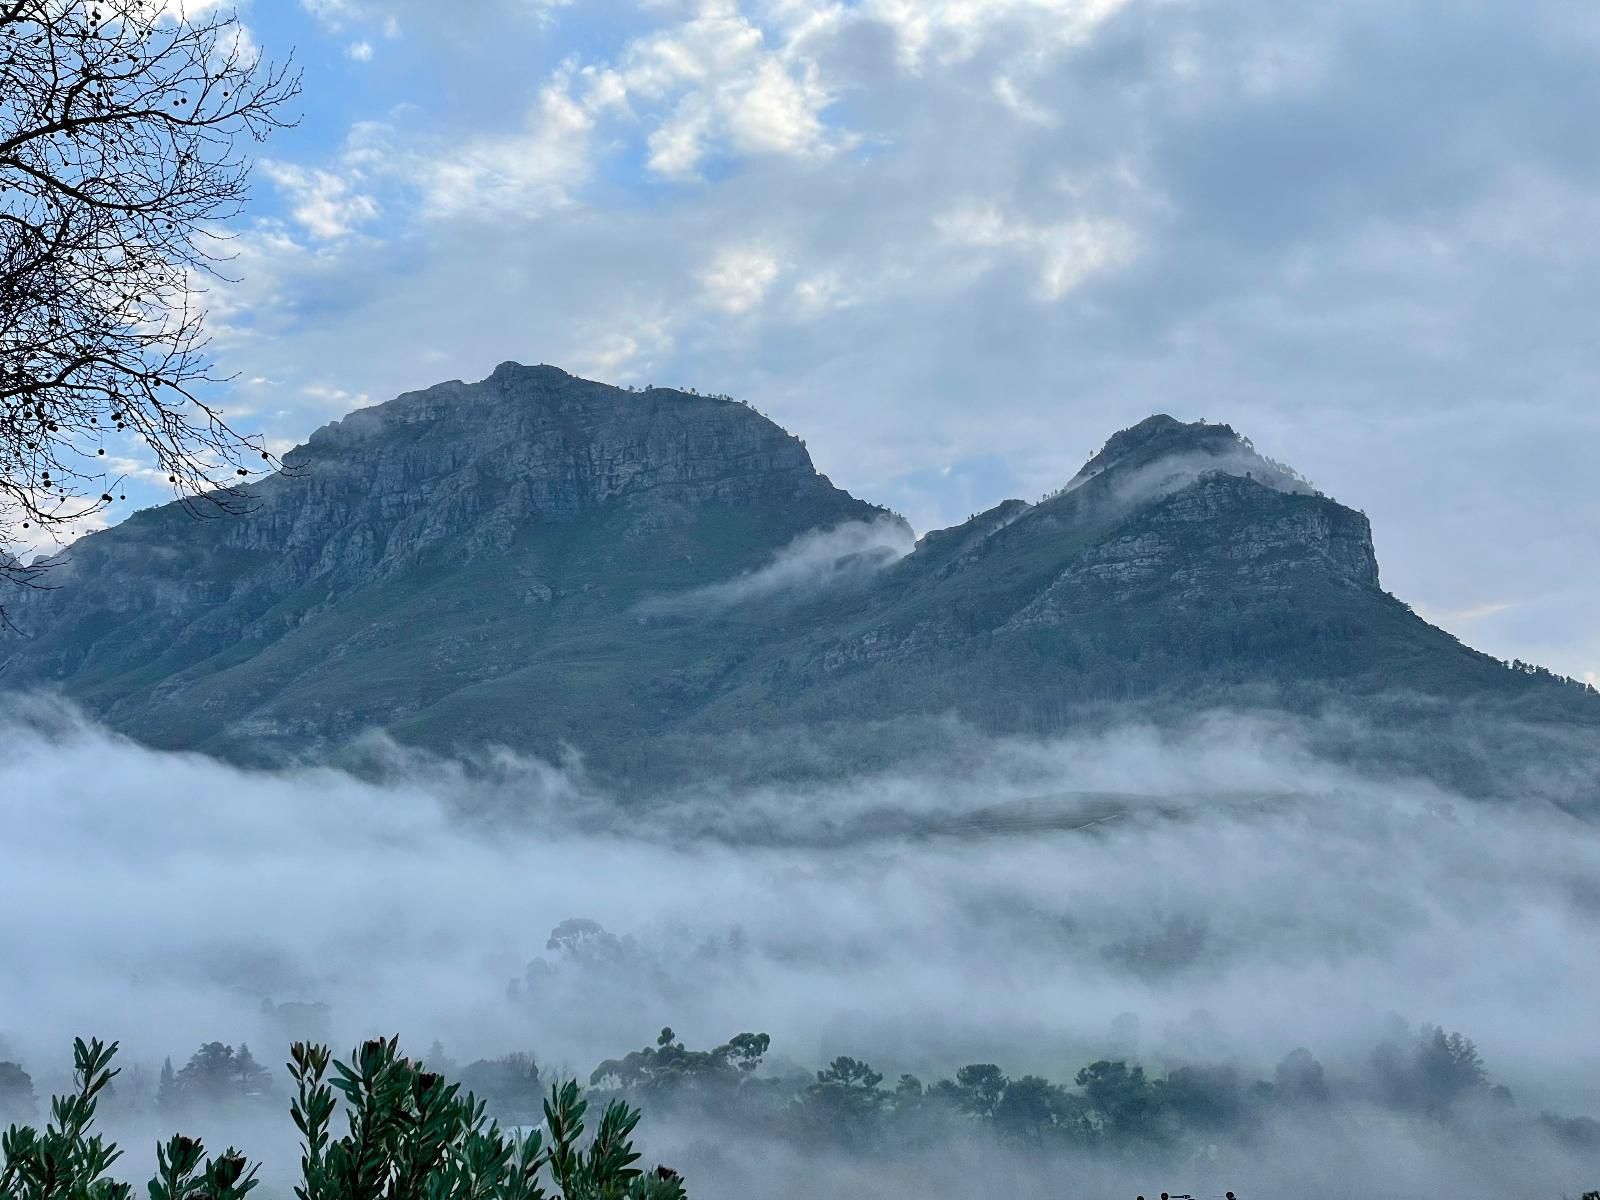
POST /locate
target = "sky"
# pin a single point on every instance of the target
(955, 244)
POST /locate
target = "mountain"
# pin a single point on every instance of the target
(660, 578)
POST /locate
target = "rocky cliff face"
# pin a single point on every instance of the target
(459, 469)
(1219, 534)
(487, 563)
(503, 475)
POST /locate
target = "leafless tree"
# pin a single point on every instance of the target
(123, 130)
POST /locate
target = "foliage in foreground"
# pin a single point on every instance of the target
(411, 1135)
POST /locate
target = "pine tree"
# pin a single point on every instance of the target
(167, 1088)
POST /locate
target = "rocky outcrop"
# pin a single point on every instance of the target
(1219, 536)
(464, 467)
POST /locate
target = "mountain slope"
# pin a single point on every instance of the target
(1178, 563)
(413, 550)
(537, 561)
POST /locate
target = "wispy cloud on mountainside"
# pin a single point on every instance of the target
(1177, 471)
(816, 562)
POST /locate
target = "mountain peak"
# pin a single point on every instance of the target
(1180, 451)
(511, 370)
(517, 407)
(1162, 436)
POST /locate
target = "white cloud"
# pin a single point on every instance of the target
(1464, 616)
(360, 51)
(737, 278)
(714, 84)
(521, 173)
(817, 561)
(335, 398)
(237, 41)
(622, 352)
(949, 31)
(1063, 253)
(822, 292)
(1009, 94)
(676, 147)
(119, 467)
(333, 13)
(32, 543)
(323, 202)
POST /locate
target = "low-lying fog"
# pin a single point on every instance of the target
(1214, 896)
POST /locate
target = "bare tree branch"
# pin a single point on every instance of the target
(121, 127)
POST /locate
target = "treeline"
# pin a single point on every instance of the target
(470, 1122)
(1110, 1106)
(1545, 673)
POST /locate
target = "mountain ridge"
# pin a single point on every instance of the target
(474, 563)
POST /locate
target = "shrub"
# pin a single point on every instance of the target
(410, 1135)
